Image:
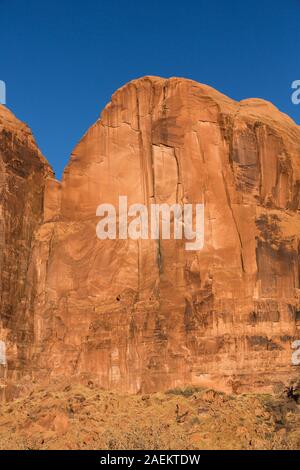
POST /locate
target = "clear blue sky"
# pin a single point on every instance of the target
(62, 59)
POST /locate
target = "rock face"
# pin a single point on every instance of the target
(23, 172)
(147, 314)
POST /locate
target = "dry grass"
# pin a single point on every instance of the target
(75, 416)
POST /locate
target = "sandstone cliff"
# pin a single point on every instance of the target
(23, 172)
(147, 314)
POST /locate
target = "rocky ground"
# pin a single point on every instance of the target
(73, 416)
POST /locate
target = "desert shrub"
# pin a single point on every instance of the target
(154, 436)
(185, 392)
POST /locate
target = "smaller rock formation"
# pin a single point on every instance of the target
(23, 172)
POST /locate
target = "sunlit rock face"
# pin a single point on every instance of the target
(146, 315)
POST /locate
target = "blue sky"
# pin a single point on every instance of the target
(62, 60)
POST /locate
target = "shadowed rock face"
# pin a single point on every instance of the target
(147, 314)
(23, 171)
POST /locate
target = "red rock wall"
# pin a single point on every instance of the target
(147, 314)
(23, 171)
